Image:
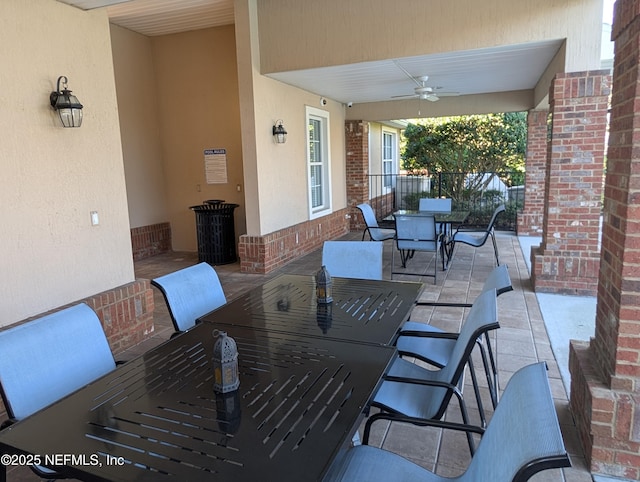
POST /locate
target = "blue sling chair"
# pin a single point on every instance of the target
(46, 359)
(522, 439)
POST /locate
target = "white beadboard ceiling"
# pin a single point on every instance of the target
(500, 69)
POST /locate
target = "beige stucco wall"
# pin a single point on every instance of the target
(139, 127)
(276, 175)
(337, 32)
(53, 177)
(198, 108)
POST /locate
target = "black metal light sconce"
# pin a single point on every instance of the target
(279, 133)
(68, 106)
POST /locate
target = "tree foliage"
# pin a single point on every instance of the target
(476, 143)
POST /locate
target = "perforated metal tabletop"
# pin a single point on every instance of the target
(366, 311)
(158, 418)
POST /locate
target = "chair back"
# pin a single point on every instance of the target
(190, 293)
(523, 436)
(482, 317)
(498, 280)
(435, 205)
(498, 210)
(375, 231)
(353, 259)
(416, 233)
(368, 215)
(46, 359)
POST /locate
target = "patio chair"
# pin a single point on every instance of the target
(434, 346)
(46, 359)
(353, 259)
(477, 237)
(376, 233)
(416, 233)
(522, 439)
(411, 393)
(190, 293)
(437, 205)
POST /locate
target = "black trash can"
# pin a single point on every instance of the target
(216, 233)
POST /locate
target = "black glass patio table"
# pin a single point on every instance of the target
(157, 417)
(364, 311)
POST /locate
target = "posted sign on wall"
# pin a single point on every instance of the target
(215, 166)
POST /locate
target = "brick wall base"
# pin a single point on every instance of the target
(150, 240)
(564, 274)
(126, 315)
(607, 419)
(262, 254)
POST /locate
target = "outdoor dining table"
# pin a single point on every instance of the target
(301, 397)
(362, 311)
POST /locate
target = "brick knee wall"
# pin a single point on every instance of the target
(150, 240)
(126, 315)
(263, 254)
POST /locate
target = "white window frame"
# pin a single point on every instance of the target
(392, 161)
(325, 162)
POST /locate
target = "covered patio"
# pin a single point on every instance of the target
(523, 338)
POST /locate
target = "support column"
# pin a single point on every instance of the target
(357, 160)
(605, 373)
(568, 259)
(531, 217)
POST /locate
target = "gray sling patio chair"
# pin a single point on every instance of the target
(477, 237)
(190, 293)
(522, 439)
(416, 233)
(436, 205)
(421, 396)
(46, 359)
(376, 233)
(353, 259)
(434, 346)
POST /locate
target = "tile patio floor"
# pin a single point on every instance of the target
(522, 339)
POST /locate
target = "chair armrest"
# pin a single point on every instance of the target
(430, 334)
(439, 303)
(461, 427)
(418, 381)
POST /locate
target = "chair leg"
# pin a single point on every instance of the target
(476, 390)
(490, 373)
(495, 247)
(465, 420)
(494, 369)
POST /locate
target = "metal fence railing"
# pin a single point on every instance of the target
(479, 193)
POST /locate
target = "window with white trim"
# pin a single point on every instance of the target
(318, 162)
(388, 157)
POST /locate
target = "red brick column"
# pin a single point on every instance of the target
(357, 157)
(531, 217)
(568, 258)
(605, 373)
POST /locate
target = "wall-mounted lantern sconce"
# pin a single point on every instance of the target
(279, 133)
(68, 106)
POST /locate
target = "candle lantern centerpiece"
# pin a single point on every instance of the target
(225, 363)
(324, 286)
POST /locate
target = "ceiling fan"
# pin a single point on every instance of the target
(422, 90)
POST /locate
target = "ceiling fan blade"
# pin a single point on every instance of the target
(447, 94)
(403, 96)
(418, 83)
